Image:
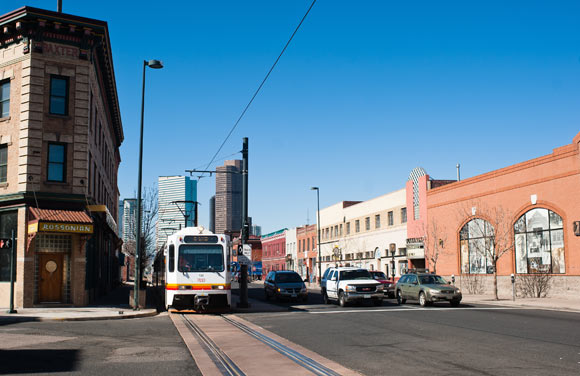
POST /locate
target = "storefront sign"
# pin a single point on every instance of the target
(74, 228)
(416, 253)
(108, 217)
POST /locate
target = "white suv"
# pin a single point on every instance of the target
(351, 284)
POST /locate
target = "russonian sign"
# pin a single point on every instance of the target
(61, 227)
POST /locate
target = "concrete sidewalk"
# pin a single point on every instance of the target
(114, 305)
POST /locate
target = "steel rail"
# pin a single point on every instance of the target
(302, 360)
(226, 366)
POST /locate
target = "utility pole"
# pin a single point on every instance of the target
(244, 233)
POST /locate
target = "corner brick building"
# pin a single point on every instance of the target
(60, 132)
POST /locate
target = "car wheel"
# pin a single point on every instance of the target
(378, 302)
(400, 299)
(325, 298)
(341, 299)
(423, 299)
(455, 303)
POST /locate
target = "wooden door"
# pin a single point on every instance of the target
(50, 274)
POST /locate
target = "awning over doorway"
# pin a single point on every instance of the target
(63, 221)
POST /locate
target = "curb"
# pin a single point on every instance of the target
(86, 318)
(522, 305)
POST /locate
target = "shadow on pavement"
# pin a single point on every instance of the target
(38, 361)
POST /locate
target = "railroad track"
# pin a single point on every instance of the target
(229, 368)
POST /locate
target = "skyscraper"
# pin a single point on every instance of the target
(177, 209)
(129, 219)
(228, 197)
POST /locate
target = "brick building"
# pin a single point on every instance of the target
(60, 132)
(534, 206)
(274, 251)
(307, 254)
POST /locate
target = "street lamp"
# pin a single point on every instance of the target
(393, 268)
(155, 64)
(318, 226)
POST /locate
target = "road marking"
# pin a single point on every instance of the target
(410, 309)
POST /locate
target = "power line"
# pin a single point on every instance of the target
(260, 87)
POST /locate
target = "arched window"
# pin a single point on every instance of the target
(476, 239)
(539, 242)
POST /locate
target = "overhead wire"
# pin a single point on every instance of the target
(260, 87)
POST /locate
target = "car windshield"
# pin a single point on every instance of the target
(378, 275)
(288, 278)
(432, 280)
(355, 274)
(200, 258)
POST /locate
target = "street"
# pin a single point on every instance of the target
(474, 339)
(440, 340)
(146, 346)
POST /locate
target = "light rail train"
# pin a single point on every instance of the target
(196, 270)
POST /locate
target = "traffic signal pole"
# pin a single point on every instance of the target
(244, 233)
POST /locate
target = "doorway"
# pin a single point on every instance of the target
(51, 275)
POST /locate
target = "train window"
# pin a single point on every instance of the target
(171, 258)
(200, 258)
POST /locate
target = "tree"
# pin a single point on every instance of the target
(493, 227)
(149, 209)
(434, 241)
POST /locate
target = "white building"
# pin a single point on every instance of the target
(176, 199)
(129, 219)
(291, 255)
(364, 234)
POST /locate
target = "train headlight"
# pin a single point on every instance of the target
(184, 287)
(217, 287)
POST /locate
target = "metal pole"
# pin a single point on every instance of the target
(458, 174)
(12, 274)
(139, 182)
(244, 235)
(319, 249)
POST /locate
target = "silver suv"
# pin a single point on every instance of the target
(347, 285)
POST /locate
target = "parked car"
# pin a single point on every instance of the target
(285, 284)
(388, 285)
(426, 288)
(347, 284)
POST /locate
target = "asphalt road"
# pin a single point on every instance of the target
(144, 346)
(438, 340)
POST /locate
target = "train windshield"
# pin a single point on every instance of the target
(200, 258)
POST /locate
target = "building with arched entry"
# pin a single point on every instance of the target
(527, 215)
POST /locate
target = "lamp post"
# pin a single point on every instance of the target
(318, 228)
(155, 64)
(393, 268)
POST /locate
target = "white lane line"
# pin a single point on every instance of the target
(413, 309)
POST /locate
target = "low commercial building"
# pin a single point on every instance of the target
(528, 215)
(307, 251)
(365, 233)
(60, 133)
(274, 251)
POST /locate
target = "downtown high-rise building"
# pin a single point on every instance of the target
(129, 222)
(177, 198)
(228, 197)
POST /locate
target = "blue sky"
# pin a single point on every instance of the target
(367, 91)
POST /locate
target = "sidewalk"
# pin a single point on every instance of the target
(568, 303)
(114, 305)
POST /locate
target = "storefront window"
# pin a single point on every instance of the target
(539, 242)
(7, 225)
(476, 239)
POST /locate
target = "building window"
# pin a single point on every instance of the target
(390, 218)
(341, 229)
(404, 215)
(357, 226)
(3, 163)
(539, 242)
(336, 231)
(8, 224)
(348, 228)
(59, 95)
(313, 243)
(4, 98)
(367, 223)
(378, 221)
(56, 162)
(476, 246)
(308, 244)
